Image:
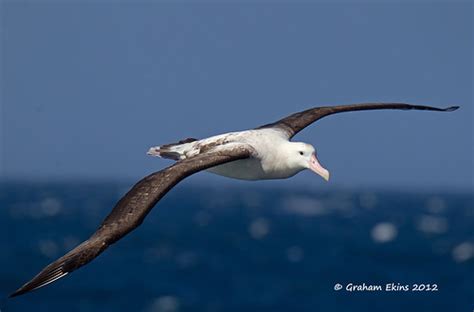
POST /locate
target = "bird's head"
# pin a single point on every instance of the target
(303, 155)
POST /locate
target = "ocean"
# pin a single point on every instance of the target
(224, 248)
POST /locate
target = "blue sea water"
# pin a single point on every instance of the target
(242, 249)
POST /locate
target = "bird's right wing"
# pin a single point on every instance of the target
(296, 122)
(130, 211)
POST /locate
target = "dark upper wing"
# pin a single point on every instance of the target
(129, 213)
(293, 124)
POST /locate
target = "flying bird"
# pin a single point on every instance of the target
(266, 152)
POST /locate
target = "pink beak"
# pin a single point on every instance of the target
(315, 166)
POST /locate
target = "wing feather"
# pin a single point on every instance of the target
(294, 123)
(130, 211)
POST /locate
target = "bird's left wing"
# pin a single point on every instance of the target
(296, 122)
(130, 211)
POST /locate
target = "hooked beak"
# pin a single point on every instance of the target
(315, 166)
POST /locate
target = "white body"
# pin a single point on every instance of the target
(270, 161)
(273, 157)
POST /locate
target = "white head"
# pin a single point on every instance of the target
(303, 156)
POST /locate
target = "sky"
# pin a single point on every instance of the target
(87, 88)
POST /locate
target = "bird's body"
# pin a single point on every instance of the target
(269, 160)
(263, 153)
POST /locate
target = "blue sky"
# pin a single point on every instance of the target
(87, 88)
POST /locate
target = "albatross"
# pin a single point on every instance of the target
(266, 152)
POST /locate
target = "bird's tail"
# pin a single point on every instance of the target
(175, 151)
(71, 261)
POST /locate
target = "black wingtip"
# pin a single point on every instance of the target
(23, 290)
(451, 109)
(17, 293)
(20, 291)
(79, 256)
(45, 277)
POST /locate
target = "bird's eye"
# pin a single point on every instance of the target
(301, 153)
